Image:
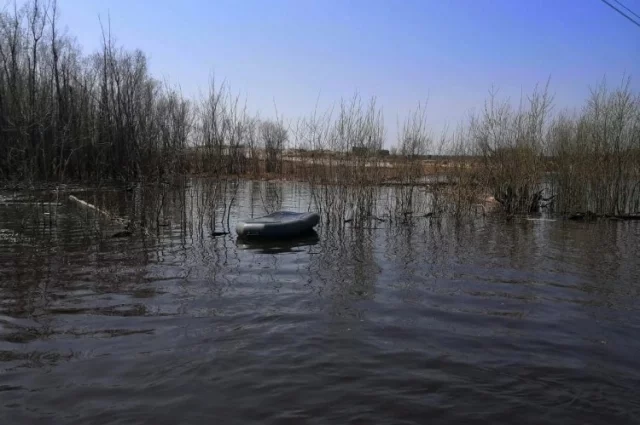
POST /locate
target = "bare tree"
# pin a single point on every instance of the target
(274, 137)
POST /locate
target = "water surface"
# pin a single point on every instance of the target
(433, 321)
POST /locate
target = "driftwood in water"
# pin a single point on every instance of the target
(121, 234)
(590, 216)
(623, 216)
(586, 216)
(90, 206)
(369, 216)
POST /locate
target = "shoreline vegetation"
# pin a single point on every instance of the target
(66, 117)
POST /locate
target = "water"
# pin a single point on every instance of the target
(431, 322)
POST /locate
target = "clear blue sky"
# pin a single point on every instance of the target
(403, 52)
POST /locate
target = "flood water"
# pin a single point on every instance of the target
(484, 321)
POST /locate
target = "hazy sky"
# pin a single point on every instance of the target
(403, 52)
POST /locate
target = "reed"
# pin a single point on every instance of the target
(97, 118)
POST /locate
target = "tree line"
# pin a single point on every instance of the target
(66, 116)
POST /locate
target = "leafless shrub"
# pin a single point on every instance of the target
(511, 145)
(596, 156)
(343, 170)
(415, 141)
(274, 137)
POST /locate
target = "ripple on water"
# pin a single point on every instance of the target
(490, 322)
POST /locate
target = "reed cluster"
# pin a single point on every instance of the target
(65, 116)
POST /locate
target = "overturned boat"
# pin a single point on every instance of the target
(278, 225)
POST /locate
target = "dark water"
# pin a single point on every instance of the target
(435, 322)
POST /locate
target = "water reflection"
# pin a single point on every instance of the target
(480, 320)
(279, 246)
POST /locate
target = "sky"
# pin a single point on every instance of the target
(294, 57)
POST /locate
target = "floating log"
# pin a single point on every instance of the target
(90, 206)
(122, 234)
(624, 217)
(590, 216)
(580, 216)
(127, 232)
